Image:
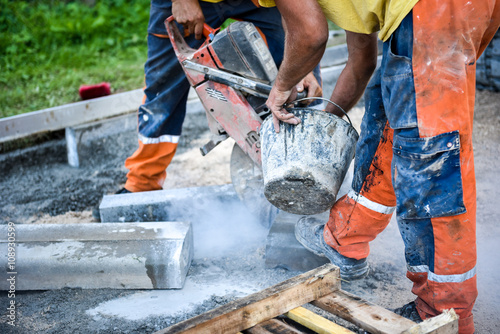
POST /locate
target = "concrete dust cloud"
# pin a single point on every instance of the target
(222, 228)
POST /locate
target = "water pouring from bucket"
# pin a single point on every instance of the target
(304, 165)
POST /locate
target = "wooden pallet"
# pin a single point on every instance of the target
(278, 309)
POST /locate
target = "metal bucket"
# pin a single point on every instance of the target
(304, 165)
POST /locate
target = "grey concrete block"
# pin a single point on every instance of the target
(194, 106)
(284, 251)
(94, 256)
(337, 55)
(69, 115)
(185, 204)
(221, 222)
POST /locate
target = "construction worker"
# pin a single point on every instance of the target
(161, 115)
(415, 153)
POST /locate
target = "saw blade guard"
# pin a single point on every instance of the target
(240, 49)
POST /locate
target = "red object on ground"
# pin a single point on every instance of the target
(92, 91)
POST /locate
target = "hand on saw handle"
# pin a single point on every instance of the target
(189, 14)
(278, 98)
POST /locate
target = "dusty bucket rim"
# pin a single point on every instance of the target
(311, 110)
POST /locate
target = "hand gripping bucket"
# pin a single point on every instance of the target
(304, 165)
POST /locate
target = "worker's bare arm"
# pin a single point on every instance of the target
(189, 14)
(361, 63)
(306, 31)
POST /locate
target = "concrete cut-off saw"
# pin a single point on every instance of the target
(232, 73)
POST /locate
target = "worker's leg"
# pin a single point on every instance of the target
(433, 157)
(433, 167)
(358, 217)
(161, 115)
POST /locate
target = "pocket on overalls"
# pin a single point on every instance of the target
(398, 89)
(427, 178)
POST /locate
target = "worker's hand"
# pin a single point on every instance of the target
(277, 98)
(189, 14)
(312, 87)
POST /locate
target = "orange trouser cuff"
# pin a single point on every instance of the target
(347, 231)
(147, 166)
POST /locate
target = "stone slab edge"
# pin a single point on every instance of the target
(91, 256)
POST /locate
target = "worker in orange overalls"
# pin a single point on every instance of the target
(414, 155)
(162, 114)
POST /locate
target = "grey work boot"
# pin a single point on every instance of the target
(309, 232)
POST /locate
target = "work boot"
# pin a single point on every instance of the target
(409, 311)
(309, 232)
(95, 211)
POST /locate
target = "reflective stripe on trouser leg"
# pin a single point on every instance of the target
(357, 218)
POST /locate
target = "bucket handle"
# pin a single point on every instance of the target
(327, 100)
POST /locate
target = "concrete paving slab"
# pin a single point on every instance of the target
(93, 256)
(68, 115)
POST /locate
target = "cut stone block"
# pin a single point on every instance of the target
(284, 251)
(165, 205)
(93, 256)
(221, 222)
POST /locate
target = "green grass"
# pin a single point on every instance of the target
(48, 49)
(47, 86)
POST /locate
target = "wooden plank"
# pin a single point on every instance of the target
(445, 323)
(273, 326)
(264, 305)
(68, 115)
(315, 322)
(372, 318)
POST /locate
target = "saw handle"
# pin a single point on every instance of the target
(208, 31)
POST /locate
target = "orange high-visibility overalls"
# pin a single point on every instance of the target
(415, 154)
